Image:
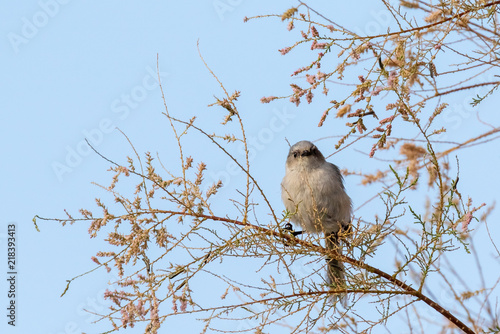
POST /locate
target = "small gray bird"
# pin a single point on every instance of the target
(313, 192)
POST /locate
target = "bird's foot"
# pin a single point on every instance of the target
(289, 228)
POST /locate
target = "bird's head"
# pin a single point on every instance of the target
(304, 154)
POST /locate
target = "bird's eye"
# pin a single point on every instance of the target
(294, 154)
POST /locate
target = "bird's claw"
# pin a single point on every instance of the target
(289, 228)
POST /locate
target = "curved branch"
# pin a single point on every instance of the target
(320, 249)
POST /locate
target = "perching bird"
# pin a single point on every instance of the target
(313, 192)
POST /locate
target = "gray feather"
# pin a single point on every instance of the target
(335, 268)
(313, 191)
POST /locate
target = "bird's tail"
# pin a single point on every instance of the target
(335, 268)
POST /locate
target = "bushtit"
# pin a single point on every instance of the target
(313, 192)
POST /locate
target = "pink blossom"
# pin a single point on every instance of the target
(140, 308)
(359, 98)
(245, 19)
(309, 96)
(331, 28)
(107, 294)
(314, 32)
(300, 70)
(174, 307)
(391, 80)
(388, 119)
(111, 295)
(356, 113)
(320, 75)
(360, 127)
(466, 221)
(125, 318)
(316, 45)
(153, 313)
(304, 35)
(323, 117)
(290, 25)
(377, 90)
(267, 99)
(295, 99)
(438, 46)
(297, 90)
(361, 78)
(311, 79)
(124, 170)
(183, 305)
(285, 50)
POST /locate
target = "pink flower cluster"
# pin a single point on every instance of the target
(387, 120)
(467, 218)
(311, 79)
(321, 75)
(323, 117)
(285, 50)
(268, 99)
(309, 96)
(314, 32)
(391, 79)
(316, 45)
(300, 70)
(377, 90)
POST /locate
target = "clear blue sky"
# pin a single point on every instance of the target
(73, 69)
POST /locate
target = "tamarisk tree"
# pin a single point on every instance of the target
(178, 254)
